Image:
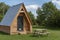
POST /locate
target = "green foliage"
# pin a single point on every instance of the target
(49, 8)
(32, 18)
(3, 10)
(40, 17)
(54, 19)
(51, 15)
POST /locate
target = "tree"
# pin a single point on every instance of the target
(48, 9)
(54, 19)
(32, 18)
(3, 9)
(41, 16)
(51, 15)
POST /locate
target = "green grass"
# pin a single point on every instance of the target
(54, 35)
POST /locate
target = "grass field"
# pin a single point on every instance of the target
(54, 35)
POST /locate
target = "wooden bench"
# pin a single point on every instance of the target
(38, 32)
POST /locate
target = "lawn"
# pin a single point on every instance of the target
(54, 35)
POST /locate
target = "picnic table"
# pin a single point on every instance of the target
(40, 32)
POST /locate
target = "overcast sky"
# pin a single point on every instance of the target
(31, 5)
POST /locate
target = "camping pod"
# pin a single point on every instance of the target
(16, 20)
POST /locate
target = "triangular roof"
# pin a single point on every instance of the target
(11, 13)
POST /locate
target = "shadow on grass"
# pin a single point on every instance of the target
(46, 27)
(38, 36)
(52, 28)
(3, 33)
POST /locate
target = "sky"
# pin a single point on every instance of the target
(31, 5)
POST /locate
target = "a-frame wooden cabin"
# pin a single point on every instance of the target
(16, 20)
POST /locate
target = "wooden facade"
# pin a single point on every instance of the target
(21, 24)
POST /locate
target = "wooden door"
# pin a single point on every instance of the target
(20, 23)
